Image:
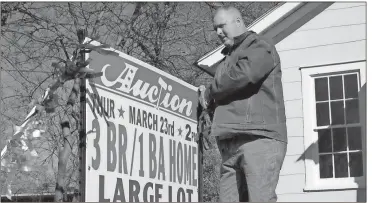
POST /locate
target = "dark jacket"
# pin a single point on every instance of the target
(247, 89)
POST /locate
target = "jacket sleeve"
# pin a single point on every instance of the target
(250, 69)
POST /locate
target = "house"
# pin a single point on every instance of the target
(322, 46)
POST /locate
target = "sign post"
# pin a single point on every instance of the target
(140, 129)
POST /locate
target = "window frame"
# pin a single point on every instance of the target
(313, 182)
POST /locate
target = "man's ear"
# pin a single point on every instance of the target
(239, 21)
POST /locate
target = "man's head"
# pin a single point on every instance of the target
(228, 23)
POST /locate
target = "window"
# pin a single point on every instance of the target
(334, 126)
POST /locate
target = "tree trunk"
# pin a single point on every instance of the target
(65, 150)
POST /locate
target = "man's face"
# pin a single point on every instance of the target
(226, 27)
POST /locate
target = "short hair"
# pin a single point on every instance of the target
(230, 9)
(226, 7)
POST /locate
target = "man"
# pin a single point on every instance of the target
(249, 118)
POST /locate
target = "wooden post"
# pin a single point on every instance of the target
(200, 172)
(200, 156)
(82, 136)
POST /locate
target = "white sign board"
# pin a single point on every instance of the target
(140, 125)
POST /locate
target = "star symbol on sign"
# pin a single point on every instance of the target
(121, 112)
(179, 131)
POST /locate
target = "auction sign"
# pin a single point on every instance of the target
(140, 126)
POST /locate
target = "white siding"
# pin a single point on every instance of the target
(292, 91)
(295, 127)
(335, 53)
(291, 75)
(293, 108)
(323, 37)
(295, 146)
(289, 184)
(336, 35)
(345, 5)
(337, 17)
(293, 165)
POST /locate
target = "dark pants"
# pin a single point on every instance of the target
(250, 168)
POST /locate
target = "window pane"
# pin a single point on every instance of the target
(339, 140)
(352, 111)
(354, 138)
(322, 114)
(325, 140)
(321, 89)
(341, 166)
(356, 164)
(337, 110)
(335, 87)
(351, 86)
(325, 166)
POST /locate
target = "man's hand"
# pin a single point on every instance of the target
(202, 100)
